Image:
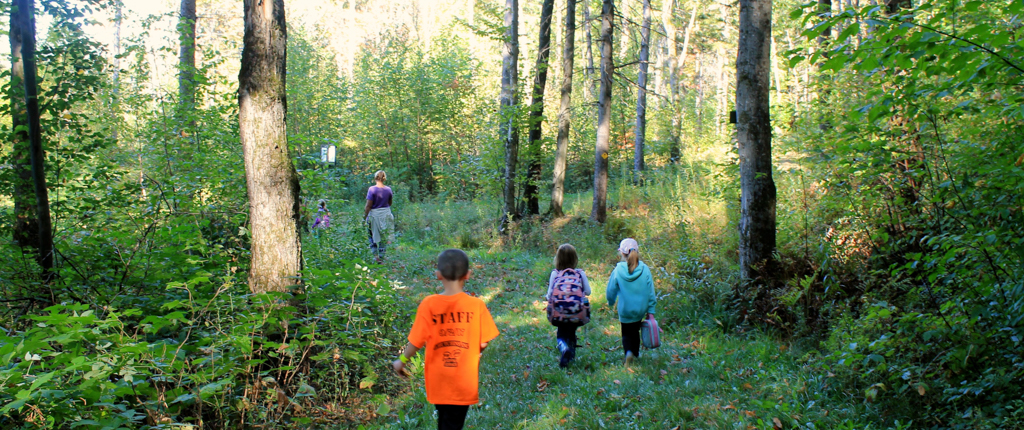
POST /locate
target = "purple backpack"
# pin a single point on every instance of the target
(568, 302)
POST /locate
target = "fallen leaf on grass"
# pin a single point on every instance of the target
(727, 407)
(542, 385)
(526, 374)
(617, 382)
(664, 372)
(749, 414)
(747, 386)
(777, 424)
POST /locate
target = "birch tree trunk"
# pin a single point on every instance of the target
(673, 79)
(753, 129)
(564, 110)
(641, 97)
(26, 12)
(187, 57)
(604, 112)
(270, 177)
(508, 129)
(540, 80)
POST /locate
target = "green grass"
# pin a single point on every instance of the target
(708, 374)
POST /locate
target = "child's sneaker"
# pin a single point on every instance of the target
(565, 352)
(630, 358)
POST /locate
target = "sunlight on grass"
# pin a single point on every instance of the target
(708, 374)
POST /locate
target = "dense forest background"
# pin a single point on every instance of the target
(896, 285)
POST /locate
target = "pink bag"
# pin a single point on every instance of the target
(650, 333)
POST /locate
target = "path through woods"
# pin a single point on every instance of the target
(703, 376)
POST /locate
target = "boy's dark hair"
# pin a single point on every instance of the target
(565, 257)
(453, 264)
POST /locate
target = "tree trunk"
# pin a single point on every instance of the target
(824, 13)
(540, 80)
(590, 50)
(604, 113)
(508, 129)
(565, 110)
(116, 92)
(26, 12)
(271, 180)
(26, 224)
(673, 79)
(753, 129)
(187, 57)
(722, 85)
(641, 98)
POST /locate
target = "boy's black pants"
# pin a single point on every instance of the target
(631, 338)
(451, 417)
(566, 332)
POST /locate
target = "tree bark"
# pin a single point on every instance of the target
(508, 129)
(564, 111)
(271, 180)
(758, 195)
(641, 99)
(604, 112)
(590, 50)
(187, 56)
(673, 80)
(26, 10)
(26, 224)
(118, 19)
(540, 80)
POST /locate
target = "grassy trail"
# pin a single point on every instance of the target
(701, 377)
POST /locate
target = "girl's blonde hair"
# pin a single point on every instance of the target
(380, 176)
(565, 257)
(632, 259)
(630, 250)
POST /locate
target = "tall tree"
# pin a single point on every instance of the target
(590, 49)
(671, 62)
(604, 113)
(641, 97)
(564, 110)
(271, 180)
(540, 80)
(508, 129)
(754, 133)
(26, 12)
(26, 225)
(187, 55)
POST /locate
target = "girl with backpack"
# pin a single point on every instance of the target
(323, 215)
(568, 306)
(632, 285)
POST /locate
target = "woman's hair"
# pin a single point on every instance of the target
(380, 176)
(322, 203)
(565, 257)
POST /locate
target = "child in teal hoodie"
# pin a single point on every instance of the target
(632, 285)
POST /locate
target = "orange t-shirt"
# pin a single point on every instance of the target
(451, 328)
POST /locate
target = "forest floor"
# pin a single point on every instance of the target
(706, 374)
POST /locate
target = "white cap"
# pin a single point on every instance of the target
(628, 244)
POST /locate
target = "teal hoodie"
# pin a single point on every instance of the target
(635, 292)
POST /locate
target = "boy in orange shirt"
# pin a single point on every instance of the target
(455, 328)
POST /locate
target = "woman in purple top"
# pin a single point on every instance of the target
(377, 214)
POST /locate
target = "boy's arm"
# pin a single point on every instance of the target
(407, 353)
(366, 210)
